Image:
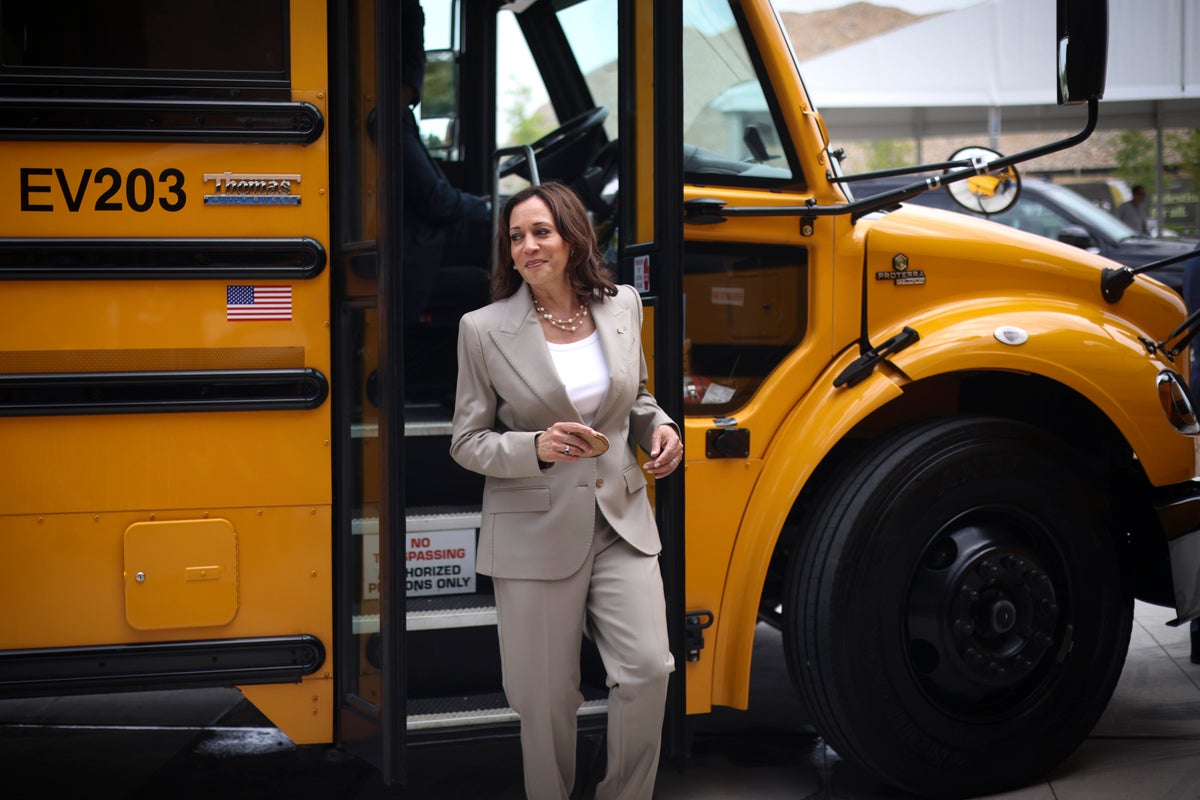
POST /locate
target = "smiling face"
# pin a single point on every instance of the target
(538, 250)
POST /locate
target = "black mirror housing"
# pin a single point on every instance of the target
(1082, 50)
(1076, 235)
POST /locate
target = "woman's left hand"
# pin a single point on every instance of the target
(666, 452)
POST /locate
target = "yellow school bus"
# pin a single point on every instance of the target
(943, 456)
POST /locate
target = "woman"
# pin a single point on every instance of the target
(567, 534)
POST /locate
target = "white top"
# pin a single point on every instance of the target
(584, 372)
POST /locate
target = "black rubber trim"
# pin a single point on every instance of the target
(160, 258)
(128, 120)
(159, 665)
(78, 393)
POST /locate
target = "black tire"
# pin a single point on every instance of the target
(956, 615)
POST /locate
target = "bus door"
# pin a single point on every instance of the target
(650, 257)
(417, 645)
(627, 59)
(369, 625)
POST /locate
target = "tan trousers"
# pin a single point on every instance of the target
(619, 591)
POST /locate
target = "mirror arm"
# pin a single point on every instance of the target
(964, 169)
(1054, 147)
(1184, 334)
(891, 173)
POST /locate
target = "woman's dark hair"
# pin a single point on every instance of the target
(590, 277)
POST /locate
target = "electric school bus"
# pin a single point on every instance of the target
(941, 455)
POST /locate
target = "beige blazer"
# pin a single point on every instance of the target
(538, 523)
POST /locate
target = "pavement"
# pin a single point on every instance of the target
(214, 744)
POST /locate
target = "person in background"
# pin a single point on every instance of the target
(444, 226)
(1133, 213)
(567, 532)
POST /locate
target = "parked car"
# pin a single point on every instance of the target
(1052, 210)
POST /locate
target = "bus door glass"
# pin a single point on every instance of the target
(747, 301)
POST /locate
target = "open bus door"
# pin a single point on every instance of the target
(369, 624)
(415, 668)
(651, 258)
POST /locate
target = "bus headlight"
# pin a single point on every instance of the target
(1173, 395)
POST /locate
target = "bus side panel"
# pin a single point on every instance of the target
(136, 524)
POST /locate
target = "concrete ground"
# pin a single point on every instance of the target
(212, 744)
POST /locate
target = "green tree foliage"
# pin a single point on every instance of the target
(524, 126)
(1135, 158)
(889, 153)
(439, 94)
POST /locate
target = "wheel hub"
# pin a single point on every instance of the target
(982, 615)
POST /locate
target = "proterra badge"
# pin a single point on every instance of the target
(901, 274)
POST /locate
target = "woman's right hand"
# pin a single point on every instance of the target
(563, 441)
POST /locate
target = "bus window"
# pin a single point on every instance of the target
(745, 302)
(437, 112)
(126, 48)
(745, 312)
(593, 41)
(730, 135)
(523, 110)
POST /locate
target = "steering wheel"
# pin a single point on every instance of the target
(565, 151)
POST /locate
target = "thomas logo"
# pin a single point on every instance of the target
(251, 189)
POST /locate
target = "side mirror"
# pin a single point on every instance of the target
(988, 192)
(1077, 236)
(1082, 50)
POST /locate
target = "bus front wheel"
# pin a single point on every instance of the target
(956, 616)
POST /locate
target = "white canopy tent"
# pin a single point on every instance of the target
(992, 65)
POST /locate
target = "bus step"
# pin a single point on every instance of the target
(486, 709)
(425, 518)
(438, 613)
(419, 420)
(453, 611)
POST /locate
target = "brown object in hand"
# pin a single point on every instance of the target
(597, 440)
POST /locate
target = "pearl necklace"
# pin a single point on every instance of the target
(570, 324)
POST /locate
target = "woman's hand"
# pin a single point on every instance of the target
(666, 452)
(566, 441)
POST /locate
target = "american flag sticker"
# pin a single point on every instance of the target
(257, 302)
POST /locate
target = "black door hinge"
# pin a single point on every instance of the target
(697, 621)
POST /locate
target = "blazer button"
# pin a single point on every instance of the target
(599, 483)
